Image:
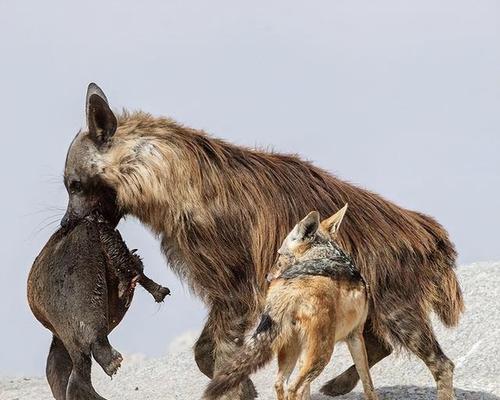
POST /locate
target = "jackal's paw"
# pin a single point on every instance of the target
(340, 385)
(114, 364)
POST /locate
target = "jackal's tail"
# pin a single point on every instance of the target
(254, 354)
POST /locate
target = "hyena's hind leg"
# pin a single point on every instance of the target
(287, 359)
(414, 330)
(58, 369)
(376, 350)
(107, 357)
(357, 349)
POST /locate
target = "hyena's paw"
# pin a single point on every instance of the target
(342, 384)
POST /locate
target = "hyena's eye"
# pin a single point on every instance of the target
(75, 186)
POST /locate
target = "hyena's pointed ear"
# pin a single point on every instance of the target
(306, 228)
(332, 224)
(101, 121)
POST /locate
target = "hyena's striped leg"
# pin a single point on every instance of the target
(357, 349)
(417, 334)
(204, 351)
(376, 350)
(287, 358)
(228, 329)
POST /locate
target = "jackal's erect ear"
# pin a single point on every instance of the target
(101, 121)
(332, 224)
(306, 228)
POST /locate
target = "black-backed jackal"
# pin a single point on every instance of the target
(316, 298)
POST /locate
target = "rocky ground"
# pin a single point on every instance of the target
(474, 347)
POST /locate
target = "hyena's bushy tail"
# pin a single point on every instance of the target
(446, 297)
(448, 302)
(255, 353)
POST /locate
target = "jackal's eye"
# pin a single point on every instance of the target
(75, 186)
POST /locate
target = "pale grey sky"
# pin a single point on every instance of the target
(401, 97)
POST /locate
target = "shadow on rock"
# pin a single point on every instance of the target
(411, 392)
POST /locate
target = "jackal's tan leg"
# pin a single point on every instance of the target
(376, 350)
(357, 349)
(287, 358)
(306, 393)
(316, 355)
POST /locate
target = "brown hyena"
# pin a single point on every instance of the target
(80, 287)
(316, 298)
(221, 211)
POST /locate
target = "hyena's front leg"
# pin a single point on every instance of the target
(204, 349)
(228, 333)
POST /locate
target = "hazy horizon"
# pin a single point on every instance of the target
(399, 97)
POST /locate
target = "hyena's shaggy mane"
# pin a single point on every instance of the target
(222, 211)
